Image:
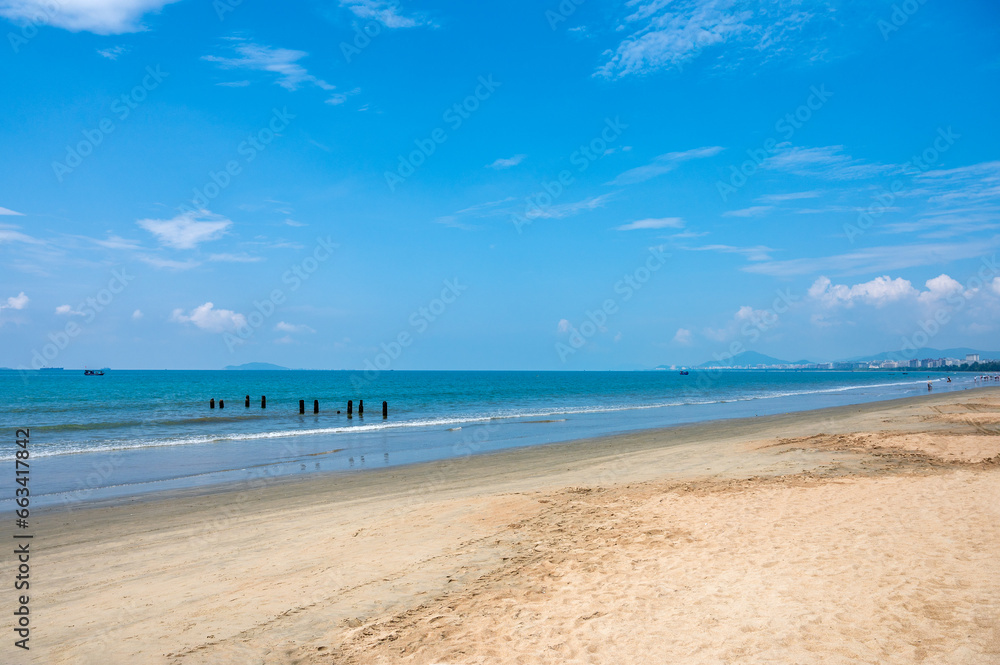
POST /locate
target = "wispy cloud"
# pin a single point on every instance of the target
(112, 52)
(116, 242)
(665, 34)
(661, 223)
(569, 209)
(752, 211)
(282, 62)
(828, 162)
(878, 259)
(506, 163)
(11, 234)
(663, 164)
(386, 12)
(169, 264)
(8, 211)
(292, 328)
(234, 84)
(488, 209)
(103, 17)
(234, 258)
(187, 230)
(756, 253)
(789, 196)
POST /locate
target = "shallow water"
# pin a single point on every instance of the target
(130, 432)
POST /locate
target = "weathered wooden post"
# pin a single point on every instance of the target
(248, 402)
(211, 403)
(350, 408)
(361, 408)
(263, 401)
(222, 404)
(302, 406)
(315, 406)
(385, 410)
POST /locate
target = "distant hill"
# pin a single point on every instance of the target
(959, 353)
(255, 366)
(753, 358)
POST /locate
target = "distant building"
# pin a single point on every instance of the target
(971, 358)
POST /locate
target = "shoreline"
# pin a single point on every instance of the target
(316, 450)
(630, 441)
(428, 560)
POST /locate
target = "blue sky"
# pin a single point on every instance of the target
(522, 185)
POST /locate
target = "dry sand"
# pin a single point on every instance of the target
(864, 534)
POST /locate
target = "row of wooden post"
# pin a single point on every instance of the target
(302, 406)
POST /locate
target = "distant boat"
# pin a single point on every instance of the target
(684, 372)
(93, 372)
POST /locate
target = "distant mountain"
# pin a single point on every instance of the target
(958, 353)
(255, 366)
(753, 358)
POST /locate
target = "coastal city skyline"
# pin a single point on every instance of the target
(528, 186)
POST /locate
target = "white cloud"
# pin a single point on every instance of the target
(66, 310)
(103, 17)
(280, 61)
(137, 314)
(666, 34)
(292, 328)
(663, 164)
(661, 223)
(206, 317)
(752, 211)
(878, 292)
(940, 287)
(234, 84)
(8, 211)
(506, 163)
(187, 230)
(20, 301)
(112, 53)
(386, 12)
(682, 336)
(996, 285)
(761, 319)
(292, 222)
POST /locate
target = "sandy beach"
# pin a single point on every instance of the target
(861, 534)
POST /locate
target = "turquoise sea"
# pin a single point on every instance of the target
(131, 432)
